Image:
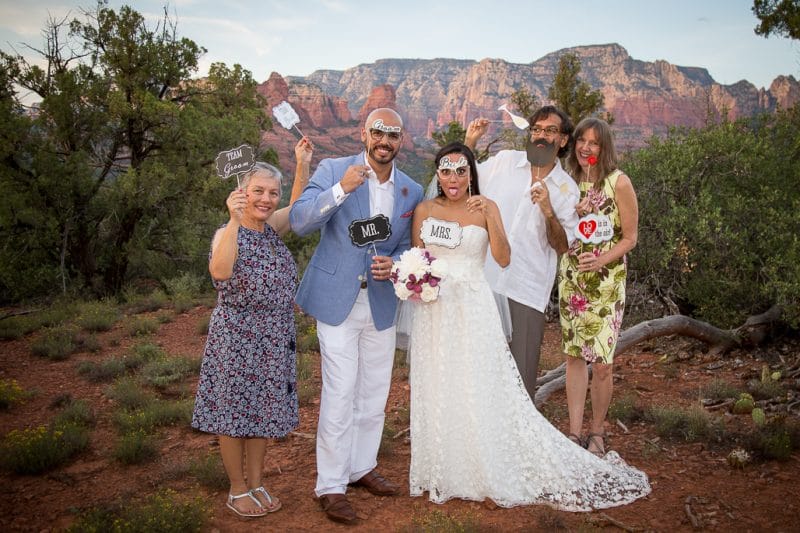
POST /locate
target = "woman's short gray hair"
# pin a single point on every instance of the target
(261, 169)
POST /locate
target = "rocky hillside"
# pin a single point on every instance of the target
(645, 98)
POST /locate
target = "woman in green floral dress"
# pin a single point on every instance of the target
(592, 275)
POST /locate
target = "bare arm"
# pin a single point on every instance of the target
(420, 213)
(225, 247)
(556, 236)
(303, 151)
(498, 242)
(629, 220)
(475, 130)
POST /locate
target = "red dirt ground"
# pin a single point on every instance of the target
(759, 497)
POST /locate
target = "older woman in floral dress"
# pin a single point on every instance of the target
(247, 389)
(592, 276)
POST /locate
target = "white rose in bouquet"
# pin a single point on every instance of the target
(402, 291)
(412, 262)
(439, 268)
(429, 293)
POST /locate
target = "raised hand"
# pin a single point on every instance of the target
(354, 177)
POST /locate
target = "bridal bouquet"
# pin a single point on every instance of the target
(417, 274)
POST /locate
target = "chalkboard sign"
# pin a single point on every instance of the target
(370, 230)
(236, 161)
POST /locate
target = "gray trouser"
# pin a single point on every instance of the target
(526, 342)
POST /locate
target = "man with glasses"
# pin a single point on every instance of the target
(537, 201)
(346, 288)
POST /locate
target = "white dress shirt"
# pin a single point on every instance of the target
(506, 179)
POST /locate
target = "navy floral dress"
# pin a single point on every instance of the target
(248, 377)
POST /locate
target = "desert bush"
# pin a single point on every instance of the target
(135, 447)
(102, 372)
(161, 373)
(689, 425)
(76, 412)
(37, 450)
(163, 512)
(129, 394)
(97, 316)
(164, 317)
(719, 389)
(143, 353)
(715, 207)
(202, 325)
(55, 343)
(210, 472)
(626, 409)
(434, 520)
(11, 393)
(139, 326)
(16, 327)
(154, 414)
(777, 439)
(143, 303)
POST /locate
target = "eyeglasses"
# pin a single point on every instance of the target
(377, 134)
(549, 131)
(460, 172)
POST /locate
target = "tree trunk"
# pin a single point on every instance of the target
(719, 341)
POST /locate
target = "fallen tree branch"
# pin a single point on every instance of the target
(719, 341)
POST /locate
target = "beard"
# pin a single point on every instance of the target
(540, 152)
(382, 159)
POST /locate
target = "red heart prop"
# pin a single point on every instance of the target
(587, 227)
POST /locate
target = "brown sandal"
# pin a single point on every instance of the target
(577, 440)
(600, 444)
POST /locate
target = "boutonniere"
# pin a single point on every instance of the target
(407, 214)
(404, 191)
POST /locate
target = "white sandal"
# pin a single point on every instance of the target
(274, 503)
(232, 498)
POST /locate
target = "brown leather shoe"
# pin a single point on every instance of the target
(338, 508)
(376, 484)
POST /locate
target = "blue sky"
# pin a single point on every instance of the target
(296, 37)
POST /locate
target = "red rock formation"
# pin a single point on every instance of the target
(380, 96)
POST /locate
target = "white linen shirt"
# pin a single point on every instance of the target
(506, 179)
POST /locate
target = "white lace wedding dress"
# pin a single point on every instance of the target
(475, 434)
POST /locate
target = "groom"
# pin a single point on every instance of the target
(346, 288)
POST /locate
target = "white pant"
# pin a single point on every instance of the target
(357, 365)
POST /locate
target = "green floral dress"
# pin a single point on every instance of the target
(591, 304)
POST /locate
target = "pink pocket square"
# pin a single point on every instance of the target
(407, 214)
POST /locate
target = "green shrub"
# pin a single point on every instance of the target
(16, 327)
(777, 439)
(161, 373)
(305, 366)
(187, 285)
(11, 393)
(88, 343)
(154, 414)
(139, 326)
(138, 303)
(162, 512)
(439, 521)
(135, 447)
(56, 314)
(719, 389)
(129, 394)
(76, 412)
(689, 425)
(765, 390)
(55, 343)
(306, 391)
(33, 451)
(143, 353)
(164, 317)
(102, 372)
(626, 409)
(202, 325)
(210, 472)
(97, 316)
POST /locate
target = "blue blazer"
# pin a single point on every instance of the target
(331, 282)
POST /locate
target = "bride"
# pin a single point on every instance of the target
(475, 433)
